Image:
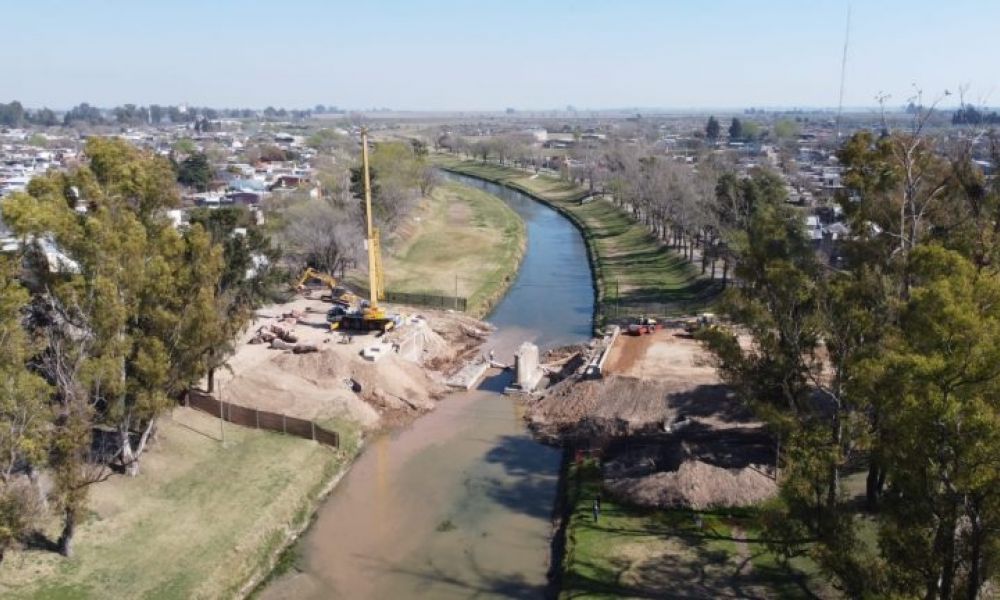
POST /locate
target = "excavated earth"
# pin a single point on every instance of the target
(669, 431)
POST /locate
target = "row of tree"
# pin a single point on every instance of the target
(886, 367)
(107, 316)
(13, 114)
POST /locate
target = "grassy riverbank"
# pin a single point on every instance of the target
(463, 238)
(201, 520)
(634, 272)
(633, 552)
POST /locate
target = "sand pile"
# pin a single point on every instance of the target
(697, 485)
(392, 382)
(603, 407)
(419, 343)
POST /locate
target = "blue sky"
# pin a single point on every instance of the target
(488, 55)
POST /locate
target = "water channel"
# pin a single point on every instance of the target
(459, 504)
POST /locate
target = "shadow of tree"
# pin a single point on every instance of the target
(532, 473)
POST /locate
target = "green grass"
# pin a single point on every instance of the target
(635, 552)
(463, 236)
(635, 273)
(199, 521)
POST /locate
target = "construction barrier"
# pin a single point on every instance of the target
(262, 419)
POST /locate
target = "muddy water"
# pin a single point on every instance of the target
(459, 504)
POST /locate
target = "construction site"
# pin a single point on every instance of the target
(668, 431)
(292, 362)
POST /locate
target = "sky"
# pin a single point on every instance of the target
(494, 54)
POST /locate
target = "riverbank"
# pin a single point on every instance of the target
(633, 272)
(203, 519)
(463, 242)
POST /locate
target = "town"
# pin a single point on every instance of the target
(415, 301)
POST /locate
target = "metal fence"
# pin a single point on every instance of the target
(262, 419)
(417, 299)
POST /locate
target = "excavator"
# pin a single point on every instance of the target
(337, 295)
(368, 315)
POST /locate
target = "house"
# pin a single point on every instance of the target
(245, 198)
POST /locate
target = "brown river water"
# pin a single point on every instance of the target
(459, 504)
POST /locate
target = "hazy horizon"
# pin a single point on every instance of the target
(444, 56)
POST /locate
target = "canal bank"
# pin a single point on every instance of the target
(634, 273)
(461, 502)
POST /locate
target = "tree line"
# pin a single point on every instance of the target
(882, 370)
(14, 114)
(108, 313)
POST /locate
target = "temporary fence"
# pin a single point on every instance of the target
(262, 419)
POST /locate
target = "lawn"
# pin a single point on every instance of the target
(199, 521)
(461, 236)
(635, 273)
(643, 553)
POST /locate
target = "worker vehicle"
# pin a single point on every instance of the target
(702, 321)
(643, 326)
(338, 294)
(368, 315)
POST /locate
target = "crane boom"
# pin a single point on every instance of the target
(376, 278)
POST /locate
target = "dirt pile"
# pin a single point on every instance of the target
(610, 407)
(463, 334)
(697, 485)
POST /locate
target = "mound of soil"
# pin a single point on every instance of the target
(697, 485)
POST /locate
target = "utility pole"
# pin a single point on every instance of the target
(618, 297)
(843, 70)
(222, 417)
(456, 291)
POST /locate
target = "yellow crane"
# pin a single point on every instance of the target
(376, 278)
(372, 316)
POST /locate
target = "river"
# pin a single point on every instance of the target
(459, 504)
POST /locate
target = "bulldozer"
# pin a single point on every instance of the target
(366, 315)
(338, 294)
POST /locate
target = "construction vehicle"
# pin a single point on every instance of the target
(642, 326)
(337, 295)
(367, 315)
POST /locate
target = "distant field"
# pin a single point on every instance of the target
(464, 234)
(197, 522)
(636, 273)
(641, 553)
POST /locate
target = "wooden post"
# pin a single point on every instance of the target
(284, 428)
(312, 427)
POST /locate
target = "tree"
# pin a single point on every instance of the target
(248, 277)
(942, 513)
(44, 117)
(185, 146)
(195, 172)
(736, 130)
(24, 412)
(786, 130)
(83, 113)
(123, 323)
(323, 236)
(12, 114)
(712, 129)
